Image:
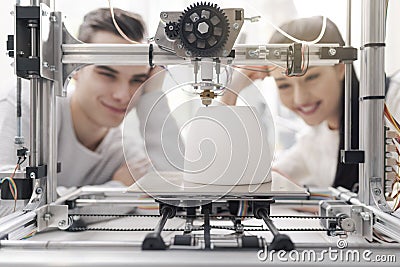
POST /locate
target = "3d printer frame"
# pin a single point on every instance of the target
(46, 54)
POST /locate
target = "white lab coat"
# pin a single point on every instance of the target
(312, 160)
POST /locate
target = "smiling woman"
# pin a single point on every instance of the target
(318, 98)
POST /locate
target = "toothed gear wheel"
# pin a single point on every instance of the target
(172, 30)
(204, 29)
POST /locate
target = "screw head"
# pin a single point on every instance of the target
(252, 53)
(164, 15)
(332, 51)
(377, 191)
(39, 190)
(62, 223)
(188, 53)
(47, 217)
(235, 26)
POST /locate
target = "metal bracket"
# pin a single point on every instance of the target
(38, 197)
(36, 172)
(26, 25)
(377, 192)
(341, 53)
(54, 216)
(354, 219)
(352, 156)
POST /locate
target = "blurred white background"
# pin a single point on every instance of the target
(276, 11)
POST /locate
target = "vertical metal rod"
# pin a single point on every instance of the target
(34, 84)
(348, 26)
(34, 42)
(347, 86)
(207, 227)
(372, 86)
(19, 108)
(52, 144)
(33, 155)
(41, 126)
(347, 106)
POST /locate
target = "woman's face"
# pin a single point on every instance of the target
(316, 96)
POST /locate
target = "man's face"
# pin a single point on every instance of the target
(103, 93)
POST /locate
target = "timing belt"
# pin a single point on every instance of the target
(201, 216)
(108, 229)
(246, 228)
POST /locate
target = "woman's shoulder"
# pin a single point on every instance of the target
(395, 76)
(320, 131)
(393, 83)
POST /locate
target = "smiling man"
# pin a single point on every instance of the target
(89, 119)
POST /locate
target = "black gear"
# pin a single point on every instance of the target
(172, 30)
(204, 29)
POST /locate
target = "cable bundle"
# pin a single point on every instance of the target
(392, 163)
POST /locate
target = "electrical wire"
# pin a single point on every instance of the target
(276, 64)
(16, 189)
(29, 235)
(391, 119)
(12, 186)
(395, 192)
(381, 237)
(242, 211)
(257, 69)
(321, 34)
(117, 26)
(304, 66)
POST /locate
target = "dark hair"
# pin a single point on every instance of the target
(100, 20)
(308, 29)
